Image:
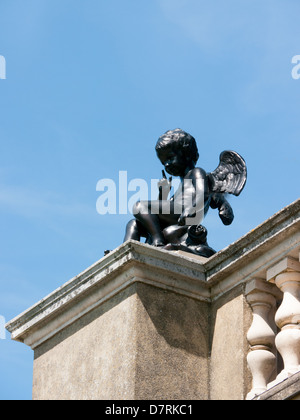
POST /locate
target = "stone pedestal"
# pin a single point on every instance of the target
(148, 324)
(139, 324)
(145, 341)
(133, 326)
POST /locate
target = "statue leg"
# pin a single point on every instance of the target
(175, 234)
(150, 222)
(155, 216)
(134, 230)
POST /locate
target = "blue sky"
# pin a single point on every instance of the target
(90, 87)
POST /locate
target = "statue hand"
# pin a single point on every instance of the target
(164, 186)
(164, 183)
(185, 215)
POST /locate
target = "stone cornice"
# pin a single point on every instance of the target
(131, 262)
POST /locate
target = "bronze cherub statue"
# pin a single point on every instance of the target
(175, 224)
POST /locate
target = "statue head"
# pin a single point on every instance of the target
(179, 148)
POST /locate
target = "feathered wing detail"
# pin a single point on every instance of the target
(230, 176)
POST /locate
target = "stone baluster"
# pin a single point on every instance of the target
(286, 275)
(261, 359)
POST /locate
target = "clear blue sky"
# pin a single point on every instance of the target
(90, 87)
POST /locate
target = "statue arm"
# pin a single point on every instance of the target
(196, 198)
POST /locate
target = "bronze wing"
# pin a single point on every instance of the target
(230, 176)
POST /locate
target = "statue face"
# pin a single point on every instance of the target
(173, 161)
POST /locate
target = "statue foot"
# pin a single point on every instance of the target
(172, 247)
(202, 250)
(158, 242)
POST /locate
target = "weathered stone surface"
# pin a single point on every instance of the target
(144, 341)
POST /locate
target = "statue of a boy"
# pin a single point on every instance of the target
(175, 224)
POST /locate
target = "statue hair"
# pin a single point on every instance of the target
(180, 140)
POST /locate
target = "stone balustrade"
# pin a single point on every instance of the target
(261, 359)
(274, 331)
